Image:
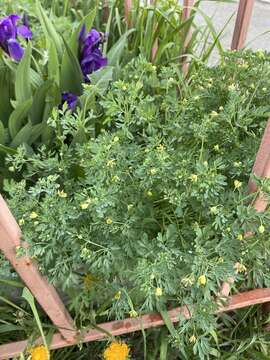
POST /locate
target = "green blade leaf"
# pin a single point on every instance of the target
(115, 52)
(22, 83)
(53, 64)
(2, 133)
(23, 136)
(39, 102)
(48, 29)
(18, 116)
(71, 74)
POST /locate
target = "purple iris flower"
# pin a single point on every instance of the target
(70, 99)
(90, 54)
(9, 32)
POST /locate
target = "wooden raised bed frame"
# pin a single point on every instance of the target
(46, 295)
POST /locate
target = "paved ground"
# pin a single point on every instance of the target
(260, 22)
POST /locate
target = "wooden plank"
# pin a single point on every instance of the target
(243, 18)
(46, 295)
(261, 158)
(129, 325)
(128, 7)
(187, 6)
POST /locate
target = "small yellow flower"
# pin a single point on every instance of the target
(264, 89)
(116, 351)
(109, 221)
(115, 178)
(130, 206)
(62, 194)
(221, 108)
(159, 291)
(116, 139)
(153, 171)
(133, 313)
(124, 87)
(192, 339)
(161, 148)
(39, 353)
(216, 147)
(209, 85)
(240, 237)
(33, 215)
(261, 229)
(117, 296)
(111, 163)
(231, 87)
(214, 210)
(213, 114)
(88, 280)
(84, 205)
(240, 268)
(237, 184)
(202, 280)
(21, 222)
(194, 178)
(187, 281)
(149, 193)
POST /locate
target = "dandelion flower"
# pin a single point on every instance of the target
(39, 353)
(261, 229)
(153, 171)
(149, 193)
(133, 313)
(109, 221)
(231, 87)
(117, 296)
(216, 147)
(21, 222)
(240, 268)
(116, 351)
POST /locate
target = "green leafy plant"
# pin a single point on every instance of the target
(151, 211)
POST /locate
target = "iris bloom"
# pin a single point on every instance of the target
(90, 55)
(9, 32)
(70, 99)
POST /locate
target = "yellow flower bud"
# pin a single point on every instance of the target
(158, 291)
(202, 280)
(33, 215)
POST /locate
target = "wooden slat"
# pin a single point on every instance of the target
(187, 6)
(242, 24)
(45, 294)
(129, 325)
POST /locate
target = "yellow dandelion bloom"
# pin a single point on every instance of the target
(149, 193)
(115, 178)
(231, 87)
(221, 108)
(216, 147)
(39, 353)
(261, 229)
(153, 171)
(130, 206)
(116, 351)
(237, 184)
(116, 139)
(109, 221)
(61, 194)
(33, 215)
(202, 280)
(21, 222)
(159, 291)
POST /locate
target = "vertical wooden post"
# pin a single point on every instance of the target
(46, 295)
(187, 5)
(242, 24)
(128, 7)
